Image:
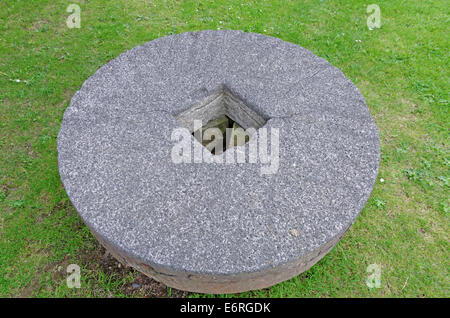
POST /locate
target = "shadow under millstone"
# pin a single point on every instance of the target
(147, 287)
(141, 286)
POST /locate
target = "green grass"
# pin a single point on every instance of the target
(401, 69)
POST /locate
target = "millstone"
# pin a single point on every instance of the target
(217, 227)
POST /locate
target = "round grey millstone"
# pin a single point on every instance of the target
(218, 228)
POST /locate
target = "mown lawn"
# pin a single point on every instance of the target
(401, 69)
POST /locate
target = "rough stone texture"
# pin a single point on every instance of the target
(218, 228)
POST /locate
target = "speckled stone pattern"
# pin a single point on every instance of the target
(218, 228)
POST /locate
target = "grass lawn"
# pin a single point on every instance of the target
(401, 69)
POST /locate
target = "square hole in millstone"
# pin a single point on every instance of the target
(231, 135)
(220, 121)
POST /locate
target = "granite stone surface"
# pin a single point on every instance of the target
(214, 227)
